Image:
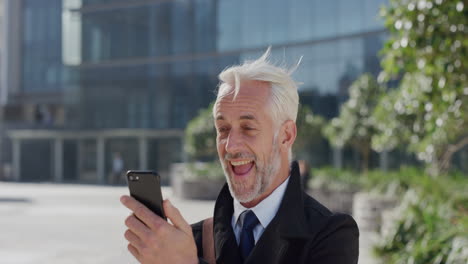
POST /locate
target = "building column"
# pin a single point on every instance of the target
(16, 156)
(10, 72)
(58, 160)
(338, 157)
(100, 160)
(143, 153)
(383, 160)
(79, 158)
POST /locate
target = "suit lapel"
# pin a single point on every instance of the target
(290, 216)
(226, 249)
(288, 227)
(270, 248)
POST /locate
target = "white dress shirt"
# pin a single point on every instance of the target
(265, 211)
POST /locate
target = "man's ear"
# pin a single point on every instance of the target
(288, 134)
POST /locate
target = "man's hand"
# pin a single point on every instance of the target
(153, 240)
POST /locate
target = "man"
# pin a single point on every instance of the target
(261, 215)
(117, 168)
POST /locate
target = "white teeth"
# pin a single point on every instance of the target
(239, 163)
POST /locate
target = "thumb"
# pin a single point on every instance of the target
(176, 218)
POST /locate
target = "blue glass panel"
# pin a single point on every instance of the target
(204, 83)
(205, 25)
(350, 16)
(229, 26)
(326, 24)
(159, 29)
(302, 22)
(160, 95)
(181, 27)
(253, 24)
(351, 48)
(115, 34)
(101, 2)
(327, 77)
(306, 75)
(41, 46)
(372, 45)
(276, 21)
(181, 94)
(372, 19)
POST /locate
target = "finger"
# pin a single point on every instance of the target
(176, 218)
(134, 252)
(133, 239)
(137, 227)
(149, 218)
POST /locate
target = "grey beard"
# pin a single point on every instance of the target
(263, 178)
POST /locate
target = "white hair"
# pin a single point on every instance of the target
(284, 97)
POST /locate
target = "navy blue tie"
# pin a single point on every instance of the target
(247, 240)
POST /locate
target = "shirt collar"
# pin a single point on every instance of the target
(266, 209)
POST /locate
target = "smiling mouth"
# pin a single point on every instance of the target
(241, 168)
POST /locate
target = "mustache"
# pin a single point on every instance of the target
(239, 155)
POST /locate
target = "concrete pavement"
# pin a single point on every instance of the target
(71, 224)
(79, 224)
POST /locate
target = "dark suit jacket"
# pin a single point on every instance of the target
(303, 231)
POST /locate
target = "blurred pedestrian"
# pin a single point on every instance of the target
(117, 168)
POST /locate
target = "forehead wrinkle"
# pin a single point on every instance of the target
(242, 116)
(239, 103)
(245, 111)
(243, 104)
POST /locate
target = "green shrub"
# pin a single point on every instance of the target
(334, 179)
(310, 144)
(200, 137)
(355, 125)
(204, 171)
(200, 146)
(428, 230)
(389, 182)
(432, 219)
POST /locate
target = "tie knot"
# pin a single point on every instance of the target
(250, 220)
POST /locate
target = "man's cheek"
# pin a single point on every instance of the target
(220, 142)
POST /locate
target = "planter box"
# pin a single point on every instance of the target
(336, 201)
(368, 209)
(194, 189)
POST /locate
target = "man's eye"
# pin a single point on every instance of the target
(249, 128)
(222, 129)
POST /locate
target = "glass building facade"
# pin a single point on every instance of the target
(149, 65)
(152, 64)
(42, 69)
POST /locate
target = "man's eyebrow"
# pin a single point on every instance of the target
(248, 117)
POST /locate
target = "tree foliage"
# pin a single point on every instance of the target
(427, 49)
(309, 139)
(200, 137)
(355, 124)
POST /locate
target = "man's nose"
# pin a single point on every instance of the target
(234, 142)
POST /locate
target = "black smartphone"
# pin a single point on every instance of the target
(145, 186)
